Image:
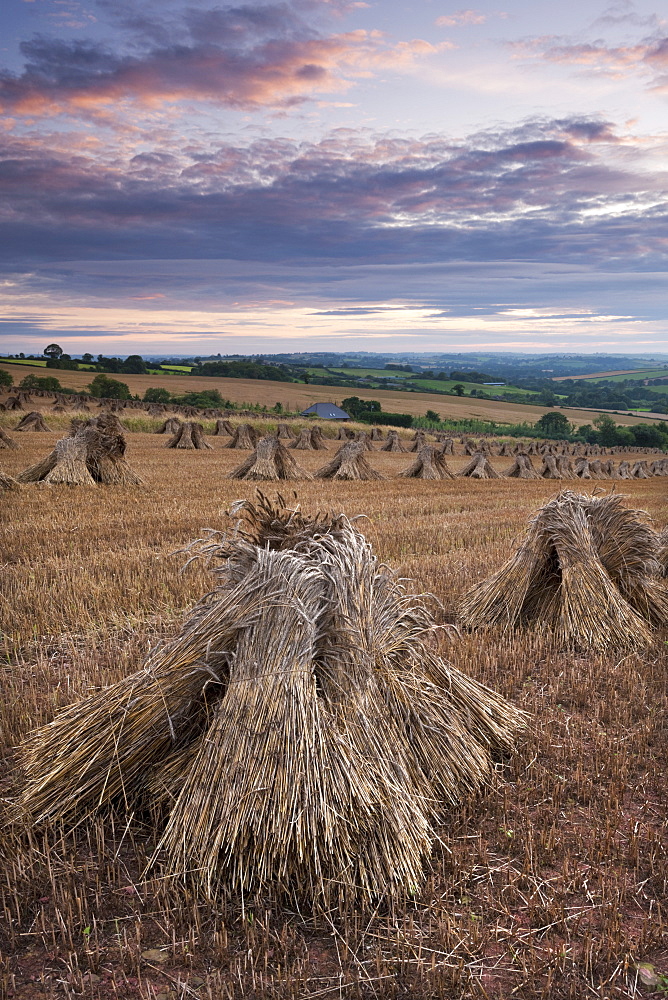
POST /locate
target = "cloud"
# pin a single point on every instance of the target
(242, 57)
(648, 57)
(461, 17)
(547, 189)
(505, 305)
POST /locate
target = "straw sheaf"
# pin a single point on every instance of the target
(662, 551)
(587, 572)
(300, 736)
(93, 452)
(349, 463)
(101, 748)
(429, 464)
(269, 461)
(6, 441)
(7, 483)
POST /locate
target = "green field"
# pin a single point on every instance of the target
(357, 372)
(431, 385)
(657, 388)
(424, 384)
(23, 361)
(635, 376)
(174, 368)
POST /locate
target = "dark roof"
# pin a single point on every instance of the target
(328, 411)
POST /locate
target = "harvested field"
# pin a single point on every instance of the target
(551, 884)
(296, 397)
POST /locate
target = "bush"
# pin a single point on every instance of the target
(393, 419)
(650, 435)
(6, 378)
(49, 383)
(206, 399)
(104, 387)
(63, 364)
(157, 395)
(243, 369)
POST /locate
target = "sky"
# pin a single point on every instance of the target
(193, 178)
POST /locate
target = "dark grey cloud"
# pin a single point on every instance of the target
(543, 191)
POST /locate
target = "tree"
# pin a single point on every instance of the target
(109, 364)
(458, 389)
(157, 395)
(134, 364)
(53, 351)
(6, 379)
(87, 358)
(607, 430)
(554, 424)
(432, 417)
(356, 406)
(625, 436)
(546, 397)
(650, 436)
(108, 388)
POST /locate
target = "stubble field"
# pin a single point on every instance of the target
(551, 884)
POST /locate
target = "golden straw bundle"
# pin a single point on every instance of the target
(300, 736)
(587, 572)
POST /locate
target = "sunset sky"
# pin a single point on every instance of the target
(192, 178)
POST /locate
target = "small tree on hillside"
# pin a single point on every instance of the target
(108, 388)
(157, 395)
(607, 430)
(554, 424)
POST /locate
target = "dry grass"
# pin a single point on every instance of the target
(552, 885)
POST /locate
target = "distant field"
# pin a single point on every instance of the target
(658, 388)
(176, 368)
(297, 396)
(424, 384)
(636, 373)
(22, 361)
(634, 376)
(358, 372)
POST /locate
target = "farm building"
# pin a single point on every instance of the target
(326, 411)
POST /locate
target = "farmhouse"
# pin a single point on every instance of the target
(326, 411)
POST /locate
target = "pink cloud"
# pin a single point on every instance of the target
(461, 17)
(86, 79)
(648, 57)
